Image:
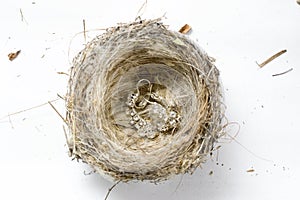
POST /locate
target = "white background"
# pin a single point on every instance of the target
(34, 162)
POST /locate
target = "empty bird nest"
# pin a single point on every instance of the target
(144, 103)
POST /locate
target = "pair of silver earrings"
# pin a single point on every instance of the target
(150, 114)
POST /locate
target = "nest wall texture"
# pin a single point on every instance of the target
(144, 103)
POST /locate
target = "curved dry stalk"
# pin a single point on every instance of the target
(110, 189)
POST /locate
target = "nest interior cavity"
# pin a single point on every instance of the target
(144, 103)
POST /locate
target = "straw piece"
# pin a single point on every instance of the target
(282, 73)
(272, 58)
(185, 29)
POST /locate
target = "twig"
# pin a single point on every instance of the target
(110, 189)
(287, 71)
(68, 142)
(139, 13)
(22, 17)
(271, 58)
(12, 126)
(61, 97)
(57, 112)
(25, 110)
(185, 29)
(63, 73)
(66, 136)
(84, 32)
(248, 150)
(250, 170)
(217, 149)
(179, 183)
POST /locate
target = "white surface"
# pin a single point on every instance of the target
(34, 163)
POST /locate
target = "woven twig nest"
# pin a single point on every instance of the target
(144, 103)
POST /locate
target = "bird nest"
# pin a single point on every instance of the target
(144, 103)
